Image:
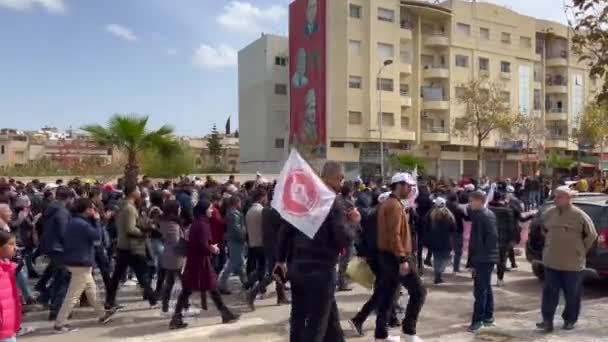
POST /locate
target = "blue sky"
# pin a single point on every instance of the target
(71, 62)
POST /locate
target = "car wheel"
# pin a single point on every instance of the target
(539, 271)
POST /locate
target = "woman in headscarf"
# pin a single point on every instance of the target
(198, 273)
(441, 225)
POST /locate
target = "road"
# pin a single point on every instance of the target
(444, 317)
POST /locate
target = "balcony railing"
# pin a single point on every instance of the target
(557, 54)
(554, 135)
(407, 25)
(556, 80)
(434, 129)
(555, 110)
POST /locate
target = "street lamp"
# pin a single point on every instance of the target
(384, 65)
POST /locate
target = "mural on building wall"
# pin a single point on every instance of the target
(307, 40)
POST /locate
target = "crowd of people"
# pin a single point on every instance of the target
(198, 233)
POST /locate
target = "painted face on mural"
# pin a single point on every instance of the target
(310, 117)
(311, 12)
(299, 79)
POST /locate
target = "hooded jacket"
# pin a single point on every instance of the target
(56, 219)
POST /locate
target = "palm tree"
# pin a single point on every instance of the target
(128, 133)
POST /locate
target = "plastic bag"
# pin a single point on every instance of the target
(359, 271)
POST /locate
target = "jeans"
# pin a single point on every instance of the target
(10, 339)
(457, 242)
(220, 259)
(389, 282)
(60, 282)
(568, 282)
(258, 266)
(103, 264)
(343, 264)
(314, 312)
(483, 309)
(137, 263)
(503, 253)
(28, 258)
(534, 199)
(164, 286)
(81, 280)
(235, 264)
(157, 249)
(441, 261)
(22, 285)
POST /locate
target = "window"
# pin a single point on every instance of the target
(354, 82)
(462, 61)
(505, 38)
(355, 118)
(484, 33)
(460, 91)
(525, 42)
(386, 15)
(405, 121)
(337, 144)
(355, 11)
(282, 61)
(279, 143)
(388, 119)
(386, 51)
(537, 101)
(280, 89)
(354, 47)
(505, 66)
(484, 64)
(463, 29)
(2, 149)
(385, 84)
(404, 89)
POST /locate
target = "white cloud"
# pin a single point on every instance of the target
(52, 6)
(209, 57)
(240, 16)
(172, 51)
(121, 32)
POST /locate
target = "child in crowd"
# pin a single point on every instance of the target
(10, 304)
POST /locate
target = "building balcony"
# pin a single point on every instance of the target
(406, 100)
(436, 72)
(556, 114)
(505, 75)
(436, 104)
(557, 89)
(408, 135)
(436, 40)
(435, 134)
(560, 61)
(405, 67)
(537, 84)
(406, 30)
(556, 141)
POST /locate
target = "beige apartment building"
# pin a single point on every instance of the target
(432, 50)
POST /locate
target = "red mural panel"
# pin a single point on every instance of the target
(307, 77)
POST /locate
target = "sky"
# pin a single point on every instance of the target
(67, 63)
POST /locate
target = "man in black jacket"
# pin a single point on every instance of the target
(457, 237)
(314, 312)
(483, 254)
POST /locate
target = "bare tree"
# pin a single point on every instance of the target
(486, 111)
(530, 130)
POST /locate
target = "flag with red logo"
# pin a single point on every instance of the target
(301, 197)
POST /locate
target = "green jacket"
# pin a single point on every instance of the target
(569, 235)
(130, 236)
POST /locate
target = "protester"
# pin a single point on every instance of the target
(235, 237)
(442, 225)
(198, 272)
(347, 195)
(569, 235)
(255, 239)
(82, 232)
(314, 312)
(457, 236)
(395, 260)
(483, 254)
(218, 231)
(10, 304)
(131, 249)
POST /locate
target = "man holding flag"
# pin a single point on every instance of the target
(319, 227)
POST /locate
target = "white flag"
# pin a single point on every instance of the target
(411, 200)
(301, 197)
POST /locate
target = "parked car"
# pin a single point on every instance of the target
(596, 206)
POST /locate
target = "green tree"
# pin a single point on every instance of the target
(181, 162)
(129, 134)
(214, 145)
(406, 162)
(594, 125)
(589, 19)
(486, 111)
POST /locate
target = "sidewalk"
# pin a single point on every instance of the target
(521, 327)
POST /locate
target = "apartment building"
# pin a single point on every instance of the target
(408, 60)
(263, 104)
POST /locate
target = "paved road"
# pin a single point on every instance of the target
(444, 317)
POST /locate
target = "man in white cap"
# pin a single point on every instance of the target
(569, 235)
(395, 260)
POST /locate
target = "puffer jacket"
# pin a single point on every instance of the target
(10, 304)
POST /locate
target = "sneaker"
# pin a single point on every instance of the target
(546, 327)
(65, 329)
(568, 326)
(413, 338)
(389, 338)
(438, 281)
(357, 327)
(130, 283)
(108, 316)
(489, 323)
(191, 312)
(25, 331)
(475, 327)
(225, 292)
(500, 283)
(166, 314)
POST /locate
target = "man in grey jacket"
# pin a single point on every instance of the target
(235, 239)
(569, 235)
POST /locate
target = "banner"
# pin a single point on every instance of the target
(301, 197)
(307, 77)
